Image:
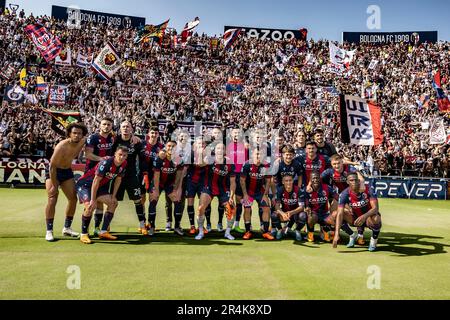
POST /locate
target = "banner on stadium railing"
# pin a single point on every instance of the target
(271, 34)
(390, 37)
(411, 188)
(97, 18)
(187, 126)
(28, 170)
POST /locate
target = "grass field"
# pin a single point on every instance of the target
(412, 257)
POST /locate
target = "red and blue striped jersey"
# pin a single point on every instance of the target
(149, 153)
(105, 169)
(101, 147)
(358, 202)
(217, 177)
(195, 173)
(318, 200)
(289, 200)
(333, 177)
(255, 178)
(168, 170)
(320, 164)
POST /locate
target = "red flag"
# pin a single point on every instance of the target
(47, 44)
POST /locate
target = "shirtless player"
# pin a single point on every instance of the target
(60, 174)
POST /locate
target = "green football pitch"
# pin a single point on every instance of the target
(411, 262)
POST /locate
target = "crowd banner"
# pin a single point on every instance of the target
(64, 58)
(57, 95)
(360, 121)
(61, 119)
(187, 126)
(383, 38)
(271, 34)
(23, 171)
(108, 62)
(97, 18)
(29, 171)
(410, 188)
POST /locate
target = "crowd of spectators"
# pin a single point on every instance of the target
(286, 86)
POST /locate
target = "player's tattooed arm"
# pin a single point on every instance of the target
(135, 139)
(232, 189)
(244, 188)
(154, 195)
(89, 151)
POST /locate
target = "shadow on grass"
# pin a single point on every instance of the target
(168, 238)
(405, 245)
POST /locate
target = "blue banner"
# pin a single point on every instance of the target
(390, 37)
(425, 189)
(97, 18)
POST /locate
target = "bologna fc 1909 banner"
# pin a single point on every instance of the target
(381, 38)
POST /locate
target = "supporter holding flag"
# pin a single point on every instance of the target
(47, 44)
(230, 37)
(442, 99)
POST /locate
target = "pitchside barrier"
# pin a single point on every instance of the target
(30, 171)
(410, 187)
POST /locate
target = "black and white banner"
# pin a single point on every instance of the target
(438, 134)
(360, 121)
(271, 34)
